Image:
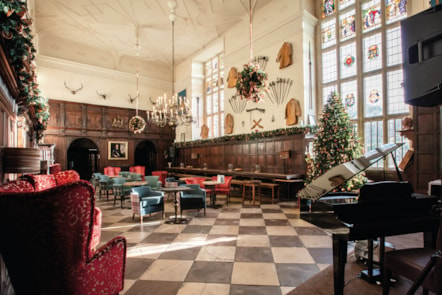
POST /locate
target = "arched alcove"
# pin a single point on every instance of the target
(145, 155)
(83, 157)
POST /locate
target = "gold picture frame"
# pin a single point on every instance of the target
(117, 150)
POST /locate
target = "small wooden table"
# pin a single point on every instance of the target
(135, 183)
(175, 191)
(210, 185)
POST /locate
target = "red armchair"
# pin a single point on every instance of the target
(138, 169)
(162, 176)
(112, 171)
(224, 188)
(31, 183)
(46, 243)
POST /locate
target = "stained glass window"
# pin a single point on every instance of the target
(372, 46)
(371, 15)
(328, 8)
(328, 33)
(364, 65)
(395, 10)
(349, 94)
(373, 96)
(347, 25)
(348, 58)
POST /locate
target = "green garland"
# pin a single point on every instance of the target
(250, 136)
(16, 38)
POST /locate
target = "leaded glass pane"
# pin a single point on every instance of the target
(373, 137)
(347, 25)
(326, 91)
(328, 33)
(395, 93)
(373, 96)
(348, 60)
(349, 96)
(328, 8)
(394, 46)
(329, 66)
(221, 106)
(345, 3)
(395, 10)
(215, 125)
(371, 15)
(208, 85)
(209, 105)
(372, 49)
(394, 136)
(215, 102)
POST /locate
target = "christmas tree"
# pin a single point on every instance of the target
(335, 143)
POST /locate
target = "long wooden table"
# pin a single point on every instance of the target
(237, 174)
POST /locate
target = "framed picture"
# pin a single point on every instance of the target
(311, 120)
(117, 150)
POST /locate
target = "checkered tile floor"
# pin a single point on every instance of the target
(235, 249)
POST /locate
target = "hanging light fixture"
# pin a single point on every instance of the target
(137, 123)
(252, 80)
(175, 110)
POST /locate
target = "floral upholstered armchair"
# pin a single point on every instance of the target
(46, 243)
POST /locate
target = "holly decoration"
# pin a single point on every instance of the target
(16, 39)
(335, 143)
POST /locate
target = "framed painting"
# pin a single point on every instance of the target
(117, 150)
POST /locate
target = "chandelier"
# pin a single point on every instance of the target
(173, 111)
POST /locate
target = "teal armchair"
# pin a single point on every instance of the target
(153, 181)
(193, 199)
(146, 201)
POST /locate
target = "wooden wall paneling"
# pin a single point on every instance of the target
(94, 120)
(73, 115)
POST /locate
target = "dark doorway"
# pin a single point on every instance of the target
(83, 157)
(146, 155)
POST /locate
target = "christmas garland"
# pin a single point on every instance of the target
(252, 83)
(137, 124)
(16, 38)
(250, 136)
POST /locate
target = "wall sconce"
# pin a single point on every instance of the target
(195, 157)
(284, 154)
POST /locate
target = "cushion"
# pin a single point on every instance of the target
(66, 176)
(18, 185)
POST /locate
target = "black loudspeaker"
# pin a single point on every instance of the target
(172, 152)
(422, 57)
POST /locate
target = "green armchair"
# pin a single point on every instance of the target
(153, 181)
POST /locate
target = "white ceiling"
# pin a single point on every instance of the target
(103, 32)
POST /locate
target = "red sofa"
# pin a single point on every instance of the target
(46, 243)
(111, 171)
(40, 182)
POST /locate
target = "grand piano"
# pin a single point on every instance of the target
(380, 209)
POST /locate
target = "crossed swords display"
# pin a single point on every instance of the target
(256, 123)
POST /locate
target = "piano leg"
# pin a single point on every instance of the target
(339, 260)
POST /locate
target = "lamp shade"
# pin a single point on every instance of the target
(20, 160)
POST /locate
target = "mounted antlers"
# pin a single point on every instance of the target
(73, 91)
(131, 99)
(101, 94)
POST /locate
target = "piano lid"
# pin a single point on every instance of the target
(337, 175)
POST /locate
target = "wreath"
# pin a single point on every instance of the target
(252, 83)
(137, 124)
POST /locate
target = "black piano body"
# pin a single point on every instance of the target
(380, 209)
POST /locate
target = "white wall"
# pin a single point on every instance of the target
(278, 22)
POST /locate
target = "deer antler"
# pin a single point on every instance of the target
(103, 95)
(151, 101)
(131, 99)
(72, 90)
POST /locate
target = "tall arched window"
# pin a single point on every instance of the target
(214, 94)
